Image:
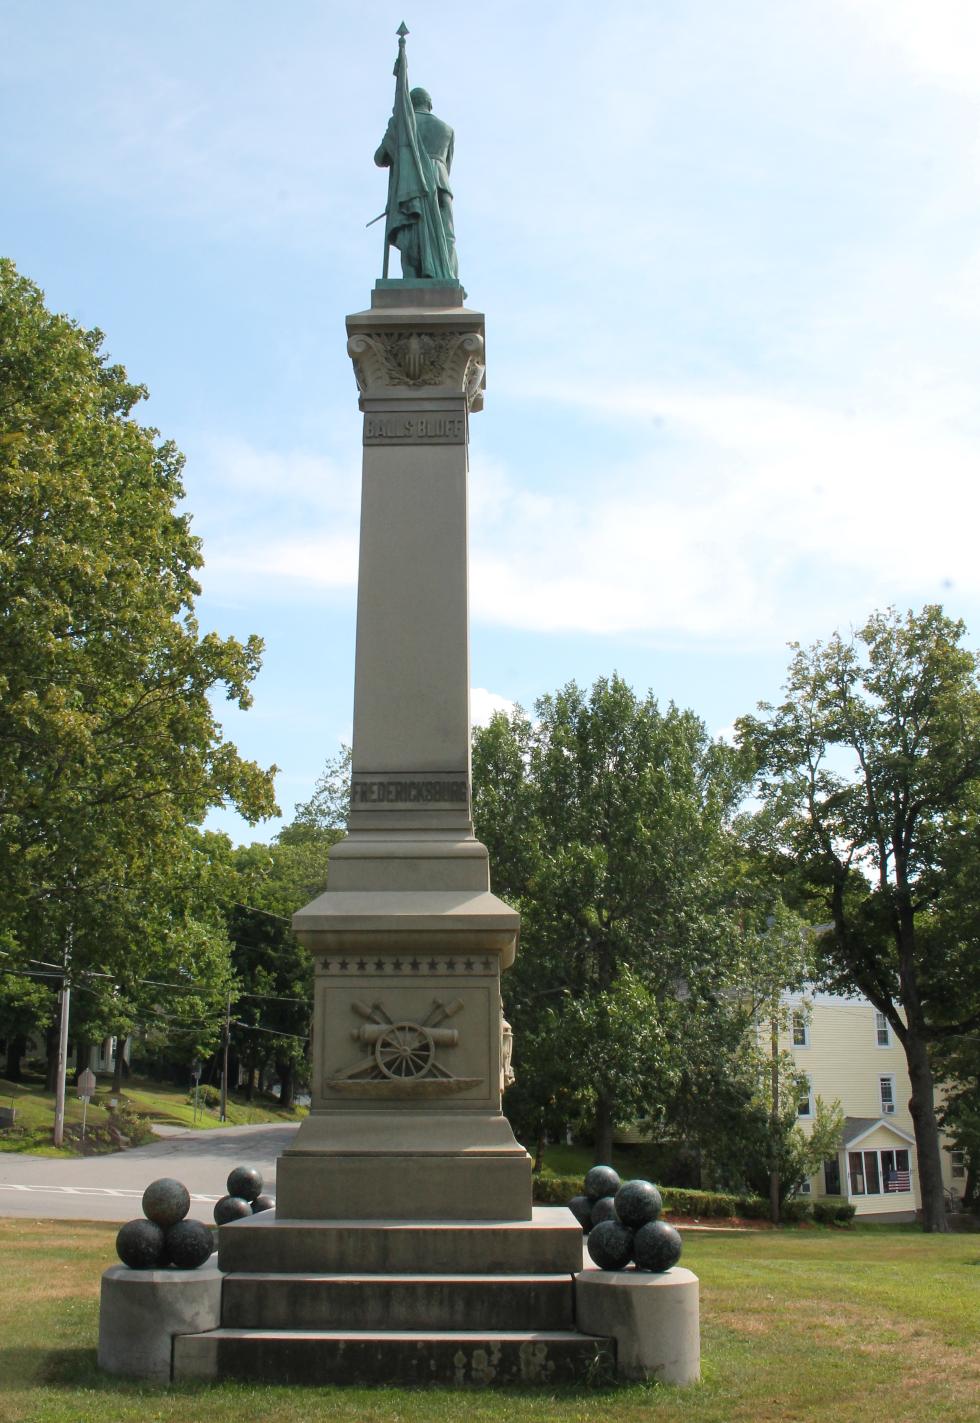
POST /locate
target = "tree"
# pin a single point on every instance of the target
(109, 744)
(957, 1063)
(25, 1008)
(869, 772)
(605, 819)
(274, 1002)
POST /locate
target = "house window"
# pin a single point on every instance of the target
(805, 1188)
(801, 1029)
(958, 1164)
(870, 1173)
(831, 1176)
(886, 1086)
(883, 1035)
(895, 1172)
(804, 1108)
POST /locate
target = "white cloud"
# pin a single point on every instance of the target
(938, 41)
(249, 504)
(758, 518)
(753, 518)
(484, 704)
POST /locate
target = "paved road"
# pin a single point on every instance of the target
(110, 1187)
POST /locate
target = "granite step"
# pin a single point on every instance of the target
(297, 1356)
(256, 1300)
(549, 1244)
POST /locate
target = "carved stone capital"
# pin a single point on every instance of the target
(388, 360)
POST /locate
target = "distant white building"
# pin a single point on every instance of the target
(849, 1053)
(101, 1056)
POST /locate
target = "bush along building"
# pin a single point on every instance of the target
(849, 1054)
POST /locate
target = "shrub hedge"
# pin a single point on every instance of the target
(833, 1210)
(552, 1190)
(208, 1096)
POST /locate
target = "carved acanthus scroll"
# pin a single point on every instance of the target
(386, 360)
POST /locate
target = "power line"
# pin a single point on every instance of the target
(255, 1028)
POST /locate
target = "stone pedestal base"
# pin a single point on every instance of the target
(142, 1311)
(398, 1302)
(653, 1318)
(404, 1166)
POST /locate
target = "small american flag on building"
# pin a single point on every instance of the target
(899, 1181)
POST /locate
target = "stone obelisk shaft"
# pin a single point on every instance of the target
(408, 941)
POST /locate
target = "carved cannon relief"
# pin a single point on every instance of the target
(401, 1058)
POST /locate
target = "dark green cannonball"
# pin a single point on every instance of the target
(166, 1202)
(656, 1246)
(263, 1203)
(246, 1182)
(581, 1209)
(638, 1202)
(601, 1181)
(610, 1245)
(231, 1208)
(605, 1209)
(189, 1244)
(141, 1244)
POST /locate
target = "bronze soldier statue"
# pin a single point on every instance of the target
(417, 149)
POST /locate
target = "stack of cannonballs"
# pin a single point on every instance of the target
(244, 1196)
(163, 1237)
(621, 1223)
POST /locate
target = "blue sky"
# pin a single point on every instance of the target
(729, 258)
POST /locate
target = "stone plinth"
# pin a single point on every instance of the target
(457, 1358)
(550, 1243)
(141, 1312)
(653, 1319)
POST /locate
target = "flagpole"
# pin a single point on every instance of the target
(401, 32)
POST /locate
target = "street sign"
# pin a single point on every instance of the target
(86, 1084)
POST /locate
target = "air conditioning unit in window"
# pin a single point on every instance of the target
(888, 1107)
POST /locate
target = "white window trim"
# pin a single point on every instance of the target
(805, 1116)
(887, 1027)
(957, 1165)
(881, 1193)
(799, 1013)
(886, 1111)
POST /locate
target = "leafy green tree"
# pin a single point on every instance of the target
(606, 820)
(109, 742)
(26, 1006)
(326, 810)
(957, 1065)
(869, 771)
(274, 999)
(775, 1147)
(274, 1002)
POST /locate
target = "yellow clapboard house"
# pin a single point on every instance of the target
(850, 1054)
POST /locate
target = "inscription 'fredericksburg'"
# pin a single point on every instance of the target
(406, 792)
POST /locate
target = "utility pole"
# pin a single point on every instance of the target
(224, 1068)
(59, 1083)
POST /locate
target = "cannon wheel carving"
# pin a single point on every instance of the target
(405, 1050)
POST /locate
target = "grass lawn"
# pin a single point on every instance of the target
(576, 1160)
(152, 1101)
(821, 1325)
